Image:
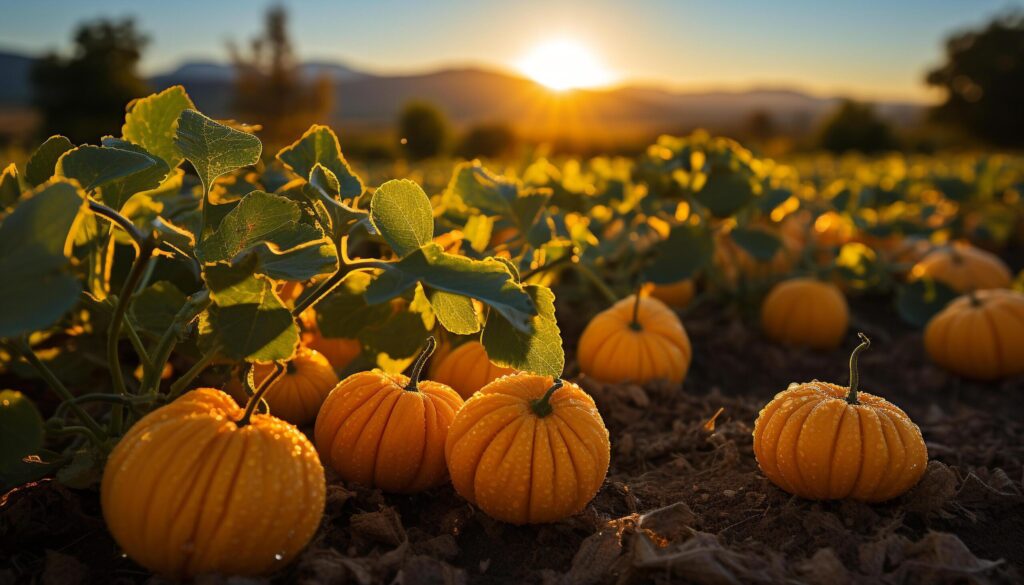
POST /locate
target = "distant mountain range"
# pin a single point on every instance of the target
(468, 95)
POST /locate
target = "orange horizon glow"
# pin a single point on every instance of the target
(564, 64)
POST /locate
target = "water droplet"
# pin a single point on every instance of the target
(279, 557)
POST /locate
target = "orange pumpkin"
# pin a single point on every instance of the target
(638, 339)
(388, 431)
(676, 295)
(805, 312)
(963, 268)
(467, 369)
(822, 441)
(735, 264)
(980, 335)
(528, 449)
(198, 487)
(295, 397)
(339, 351)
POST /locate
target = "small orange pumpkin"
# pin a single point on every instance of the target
(805, 312)
(824, 442)
(980, 335)
(197, 486)
(638, 339)
(528, 449)
(676, 295)
(963, 268)
(339, 351)
(297, 395)
(467, 369)
(388, 431)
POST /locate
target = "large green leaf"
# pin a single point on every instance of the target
(21, 435)
(10, 190)
(455, 312)
(725, 192)
(324, 188)
(400, 336)
(538, 350)
(40, 166)
(760, 244)
(154, 307)
(402, 215)
(345, 313)
(475, 186)
(213, 148)
(115, 172)
(152, 122)
(486, 280)
(267, 227)
(38, 286)
(319, 145)
(247, 321)
(686, 251)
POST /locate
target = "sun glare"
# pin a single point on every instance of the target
(564, 64)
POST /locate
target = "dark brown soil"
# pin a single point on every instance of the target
(684, 501)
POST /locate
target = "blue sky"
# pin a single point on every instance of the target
(870, 48)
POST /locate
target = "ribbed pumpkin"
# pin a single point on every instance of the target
(528, 449)
(297, 395)
(638, 339)
(676, 295)
(822, 441)
(980, 335)
(805, 312)
(191, 489)
(388, 431)
(963, 268)
(467, 369)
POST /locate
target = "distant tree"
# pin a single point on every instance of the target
(760, 125)
(856, 126)
(983, 79)
(83, 96)
(423, 130)
(487, 140)
(270, 89)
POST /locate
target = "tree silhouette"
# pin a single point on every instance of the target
(856, 126)
(83, 96)
(983, 79)
(269, 88)
(423, 130)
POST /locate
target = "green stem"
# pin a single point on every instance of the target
(635, 323)
(554, 264)
(77, 430)
(254, 401)
(140, 348)
(542, 406)
(121, 221)
(865, 343)
(196, 304)
(116, 321)
(595, 280)
(23, 348)
(179, 385)
(346, 265)
(421, 361)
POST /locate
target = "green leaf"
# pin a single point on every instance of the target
(40, 166)
(153, 308)
(918, 301)
(345, 313)
(400, 336)
(773, 198)
(248, 320)
(268, 228)
(152, 123)
(527, 207)
(478, 231)
(686, 251)
(538, 350)
(213, 148)
(401, 213)
(325, 189)
(10, 189)
(38, 286)
(455, 312)
(488, 281)
(475, 186)
(84, 470)
(320, 145)
(21, 434)
(758, 243)
(114, 173)
(178, 238)
(725, 192)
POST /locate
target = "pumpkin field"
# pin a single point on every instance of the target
(698, 364)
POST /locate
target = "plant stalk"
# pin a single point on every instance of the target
(265, 385)
(542, 406)
(851, 397)
(421, 360)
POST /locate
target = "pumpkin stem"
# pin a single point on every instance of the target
(542, 406)
(635, 323)
(421, 361)
(973, 296)
(257, 396)
(865, 343)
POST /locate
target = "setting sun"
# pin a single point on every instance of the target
(564, 64)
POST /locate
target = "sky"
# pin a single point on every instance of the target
(869, 49)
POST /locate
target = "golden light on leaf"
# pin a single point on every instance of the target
(564, 64)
